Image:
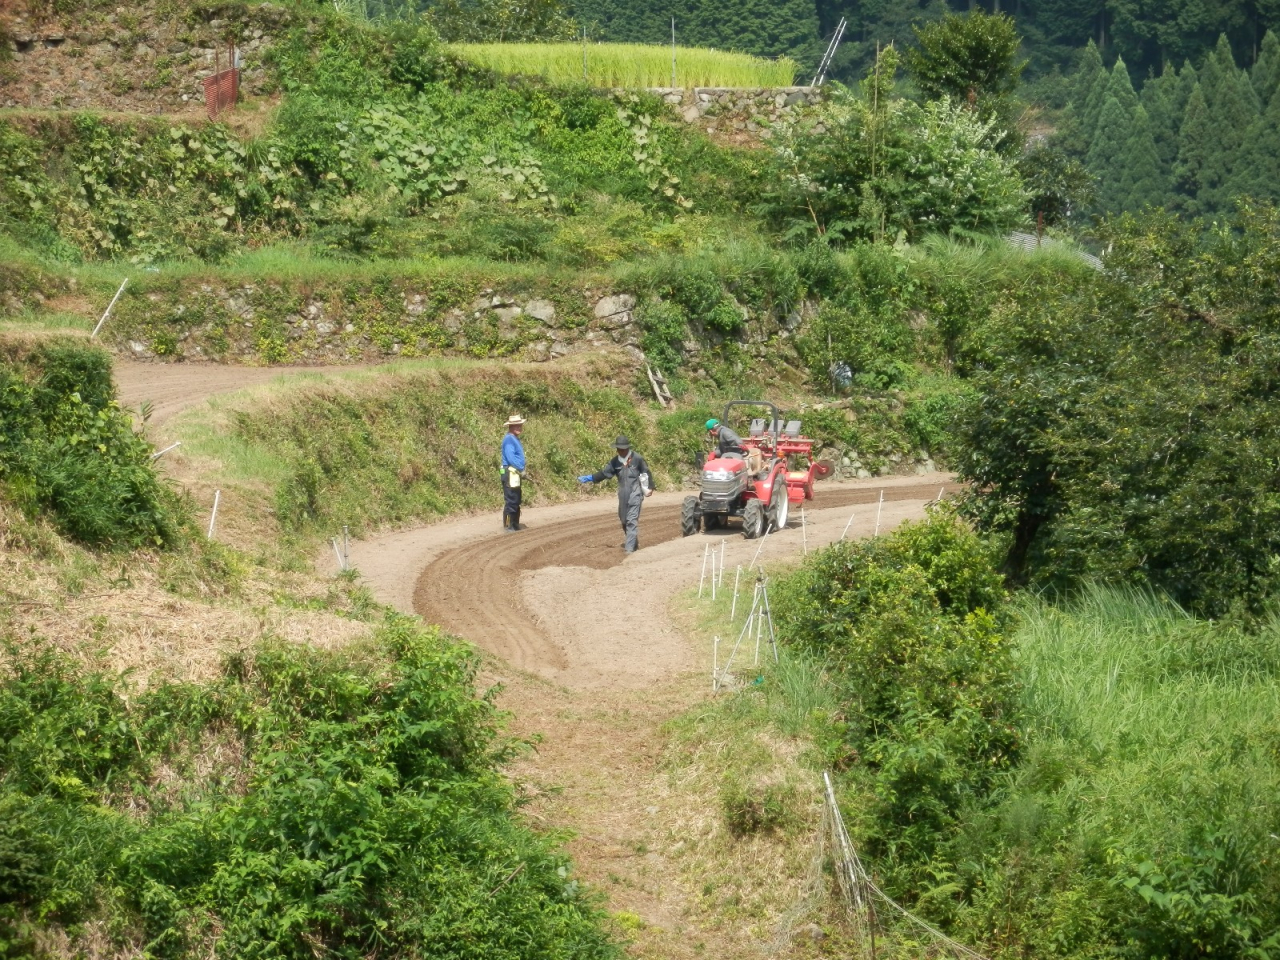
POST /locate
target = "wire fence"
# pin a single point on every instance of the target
(864, 904)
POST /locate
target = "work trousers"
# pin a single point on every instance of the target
(510, 502)
(629, 514)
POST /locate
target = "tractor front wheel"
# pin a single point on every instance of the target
(753, 519)
(780, 505)
(690, 514)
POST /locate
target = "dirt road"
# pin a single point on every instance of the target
(171, 388)
(562, 600)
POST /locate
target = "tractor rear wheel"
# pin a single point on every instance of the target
(780, 502)
(689, 516)
(753, 519)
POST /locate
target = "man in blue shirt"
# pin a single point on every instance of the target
(512, 472)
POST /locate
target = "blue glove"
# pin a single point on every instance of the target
(585, 478)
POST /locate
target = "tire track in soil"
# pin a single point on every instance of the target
(474, 590)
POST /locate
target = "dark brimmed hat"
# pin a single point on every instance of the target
(622, 443)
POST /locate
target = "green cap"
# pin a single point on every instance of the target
(712, 423)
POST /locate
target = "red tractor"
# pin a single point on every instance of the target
(775, 470)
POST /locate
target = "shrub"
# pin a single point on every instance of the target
(883, 167)
(913, 627)
(75, 454)
(355, 808)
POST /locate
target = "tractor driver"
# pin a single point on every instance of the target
(728, 443)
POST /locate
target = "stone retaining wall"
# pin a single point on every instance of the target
(739, 108)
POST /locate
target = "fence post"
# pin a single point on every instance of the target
(673, 54)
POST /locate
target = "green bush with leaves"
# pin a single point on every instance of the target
(1125, 430)
(354, 806)
(66, 449)
(913, 626)
(882, 167)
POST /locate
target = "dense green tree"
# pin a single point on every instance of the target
(971, 59)
(1073, 129)
(1257, 172)
(1120, 86)
(1265, 75)
(499, 21)
(1061, 188)
(1159, 99)
(1143, 181)
(1106, 155)
(1187, 80)
(1129, 428)
(1232, 112)
(884, 166)
(764, 27)
(1195, 149)
(1091, 111)
(1086, 73)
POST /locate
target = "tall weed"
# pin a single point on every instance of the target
(359, 810)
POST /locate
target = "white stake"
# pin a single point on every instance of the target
(940, 489)
(109, 306)
(804, 531)
(733, 608)
(714, 579)
(337, 553)
(213, 517)
(768, 612)
(848, 525)
(878, 509)
(722, 543)
(759, 616)
(715, 668)
(673, 53)
(761, 547)
(346, 548)
(702, 579)
(172, 446)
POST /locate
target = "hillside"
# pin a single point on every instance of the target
(275, 682)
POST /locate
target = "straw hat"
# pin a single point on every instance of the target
(514, 420)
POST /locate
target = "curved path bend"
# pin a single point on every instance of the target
(561, 599)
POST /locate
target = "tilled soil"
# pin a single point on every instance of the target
(592, 665)
(561, 599)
